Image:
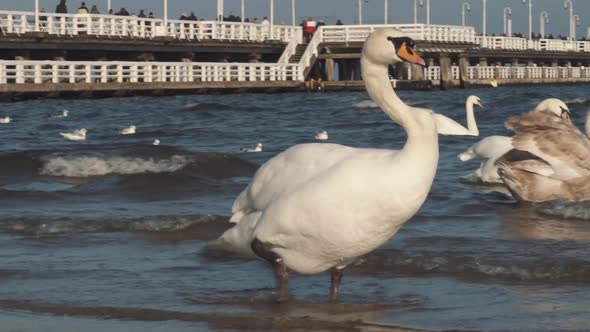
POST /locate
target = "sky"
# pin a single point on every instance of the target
(400, 11)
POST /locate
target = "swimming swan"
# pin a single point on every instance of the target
(447, 126)
(258, 148)
(318, 207)
(322, 135)
(5, 120)
(129, 131)
(492, 148)
(77, 135)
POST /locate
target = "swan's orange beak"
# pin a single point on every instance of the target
(409, 54)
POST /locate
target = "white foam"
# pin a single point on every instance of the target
(82, 167)
(365, 104)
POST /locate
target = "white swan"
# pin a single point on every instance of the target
(448, 126)
(322, 135)
(318, 207)
(5, 120)
(493, 83)
(77, 135)
(156, 142)
(492, 148)
(129, 131)
(258, 148)
(64, 114)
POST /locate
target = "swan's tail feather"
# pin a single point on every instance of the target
(240, 207)
(511, 180)
(467, 155)
(238, 238)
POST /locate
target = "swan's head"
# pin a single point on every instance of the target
(259, 145)
(389, 46)
(132, 127)
(555, 106)
(83, 131)
(65, 112)
(474, 100)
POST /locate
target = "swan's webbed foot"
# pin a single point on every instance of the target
(336, 277)
(279, 267)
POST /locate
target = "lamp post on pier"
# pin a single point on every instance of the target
(36, 15)
(292, 12)
(507, 14)
(219, 10)
(166, 15)
(576, 23)
(544, 19)
(416, 10)
(427, 10)
(243, 10)
(360, 4)
(109, 7)
(385, 5)
(530, 17)
(484, 18)
(567, 4)
(466, 7)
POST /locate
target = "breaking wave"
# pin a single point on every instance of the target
(202, 227)
(81, 167)
(480, 268)
(93, 165)
(566, 210)
(364, 104)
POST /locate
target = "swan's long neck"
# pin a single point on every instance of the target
(471, 124)
(422, 143)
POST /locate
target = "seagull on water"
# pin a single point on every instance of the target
(64, 114)
(5, 120)
(322, 135)
(156, 142)
(258, 148)
(128, 131)
(77, 135)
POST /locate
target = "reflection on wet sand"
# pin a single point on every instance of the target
(288, 316)
(524, 221)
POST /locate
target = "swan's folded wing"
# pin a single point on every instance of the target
(558, 143)
(286, 172)
(446, 126)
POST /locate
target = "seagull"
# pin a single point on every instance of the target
(5, 120)
(128, 131)
(156, 142)
(77, 135)
(64, 114)
(258, 148)
(322, 135)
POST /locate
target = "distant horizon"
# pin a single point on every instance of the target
(400, 11)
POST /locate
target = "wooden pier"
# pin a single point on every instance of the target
(69, 55)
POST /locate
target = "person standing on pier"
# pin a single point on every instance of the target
(265, 25)
(61, 8)
(83, 9)
(309, 28)
(94, 10)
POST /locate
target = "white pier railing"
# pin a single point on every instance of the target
(516, 43)
(507, 73)
(21, 72)
(438, 33)
(12, 22)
